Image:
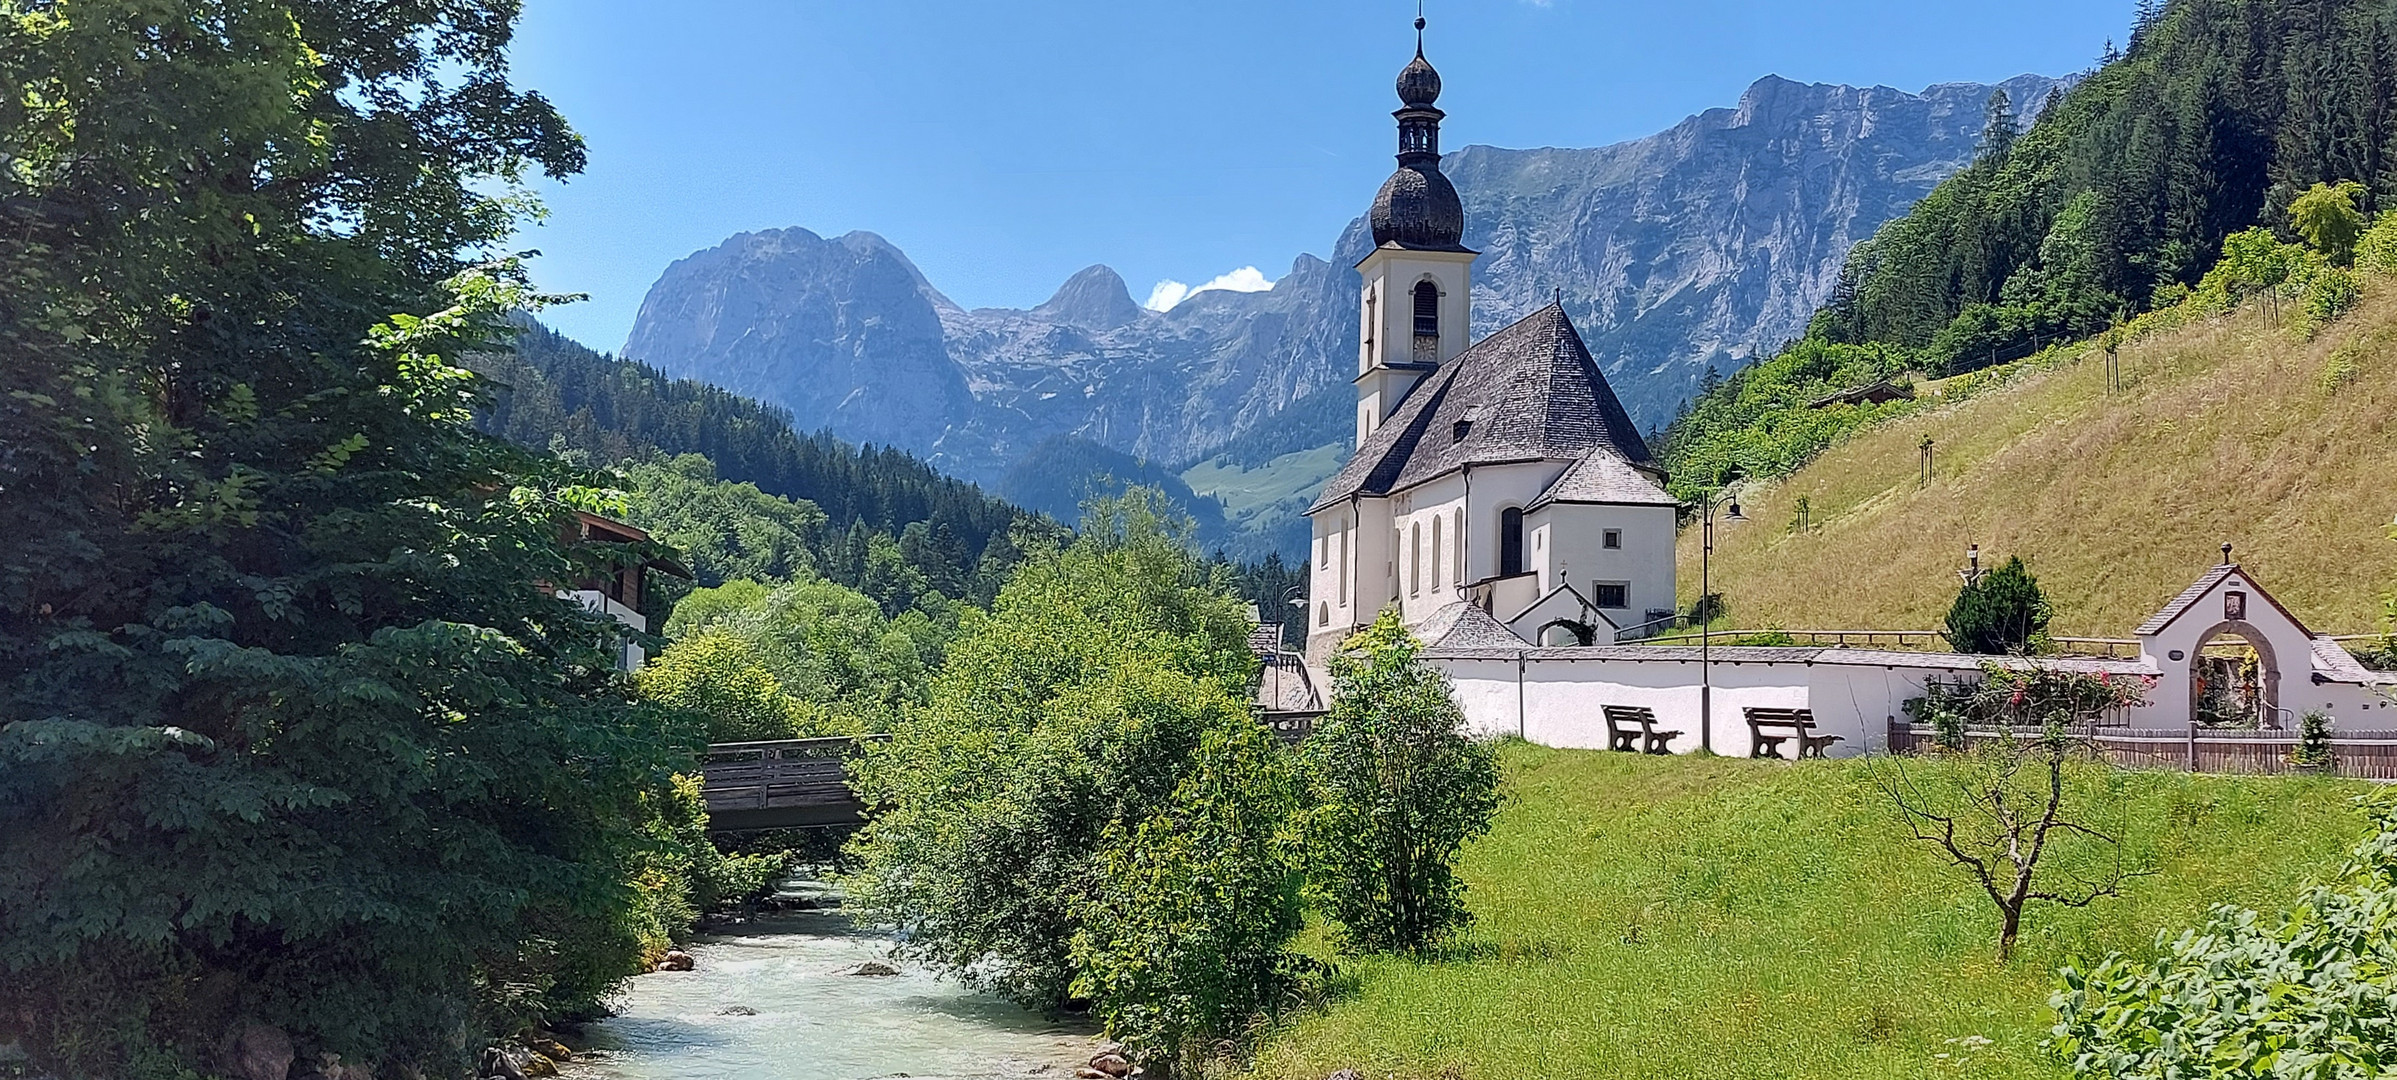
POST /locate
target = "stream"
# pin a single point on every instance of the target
(771, 1002)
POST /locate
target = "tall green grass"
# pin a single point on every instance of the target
(1709, 917)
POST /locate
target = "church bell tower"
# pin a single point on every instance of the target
(1419, 277)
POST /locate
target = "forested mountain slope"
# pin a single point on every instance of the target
(2221, 113)
(2227, 430)
(880, 519)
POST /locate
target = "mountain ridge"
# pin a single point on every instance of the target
(1679, 253)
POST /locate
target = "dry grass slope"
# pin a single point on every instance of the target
(2227, 430)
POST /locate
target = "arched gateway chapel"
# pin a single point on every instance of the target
(1502, 502)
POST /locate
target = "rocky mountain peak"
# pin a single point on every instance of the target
(1691, 250)
(1094, 299)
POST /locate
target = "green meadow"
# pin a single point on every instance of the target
(1711, 917)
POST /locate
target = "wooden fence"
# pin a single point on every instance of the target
(2365, 755)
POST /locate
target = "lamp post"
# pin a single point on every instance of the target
(1724, 498)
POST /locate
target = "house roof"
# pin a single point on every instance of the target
(2189, 597)
(1529, 392)
(1602, 476)
(1464, 626)
(2332, 661)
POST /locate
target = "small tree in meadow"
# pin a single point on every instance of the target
(1400, 786)
(2329, 219)
(2005, 809)
(2001, 614)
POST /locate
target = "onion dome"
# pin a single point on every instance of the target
(1418, 208)
(1418, 84)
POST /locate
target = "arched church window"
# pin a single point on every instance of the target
(1435, 552)
(1427, 309)
(1459, 532)
(1323, 613)
(1415, 560)
(1510, 541)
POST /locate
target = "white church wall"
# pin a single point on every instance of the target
(1575, 553)
(1556, 699)
(1494, 489)
(1427, 575)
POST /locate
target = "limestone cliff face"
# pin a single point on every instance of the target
(843, 332)
(1699, 246)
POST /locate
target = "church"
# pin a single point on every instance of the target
(1500, 474)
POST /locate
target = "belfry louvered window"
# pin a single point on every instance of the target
(1427, 310)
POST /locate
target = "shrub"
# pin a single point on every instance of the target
(2313, 740)
(2339, 370)
(2003, 613)
(1074, 714)
(2308, 994)
(2376, 253)
(2330, 294)
(1399, 788)
(1187, 936)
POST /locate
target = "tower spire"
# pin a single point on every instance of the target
(1418, 29)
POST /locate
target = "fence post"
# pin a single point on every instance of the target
(2192, 744)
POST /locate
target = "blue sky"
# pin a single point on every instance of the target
(1004, 146)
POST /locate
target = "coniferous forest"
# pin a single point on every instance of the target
(2079, 213)
(2217, 117)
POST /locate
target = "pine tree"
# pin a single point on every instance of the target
(2002, 614)
(291, 732)
(2000, 129)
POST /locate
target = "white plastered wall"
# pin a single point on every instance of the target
(1574, 552)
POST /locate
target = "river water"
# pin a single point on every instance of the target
(771, 1003)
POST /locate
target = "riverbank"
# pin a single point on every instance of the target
(783, 999)
(1694, 918)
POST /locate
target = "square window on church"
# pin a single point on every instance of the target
(1614, 539)
(1611, 594)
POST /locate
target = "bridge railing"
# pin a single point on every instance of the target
(779, 773)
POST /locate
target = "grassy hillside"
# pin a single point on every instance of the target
(1686, 917)
(2227, 430)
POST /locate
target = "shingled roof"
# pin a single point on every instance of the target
(1602, 476)
(1526, 393)
(2189, 597)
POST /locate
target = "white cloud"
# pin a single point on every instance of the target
(1169, 293)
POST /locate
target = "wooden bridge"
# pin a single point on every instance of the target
(784, 784)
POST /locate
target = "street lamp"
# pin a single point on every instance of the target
(1725, 498)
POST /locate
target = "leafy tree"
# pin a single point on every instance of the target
(2003, 613)
(1070, 714)
(1187, 935)
(2303, 995)
(1399, 787)
(681, 875)
(727, 530)
(290, 732)
(2329, 220)
(714, 674)
(823, 645)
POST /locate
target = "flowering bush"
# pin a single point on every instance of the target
(2034, 696)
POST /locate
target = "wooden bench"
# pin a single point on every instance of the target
(1628, 725)
(1790, 724)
